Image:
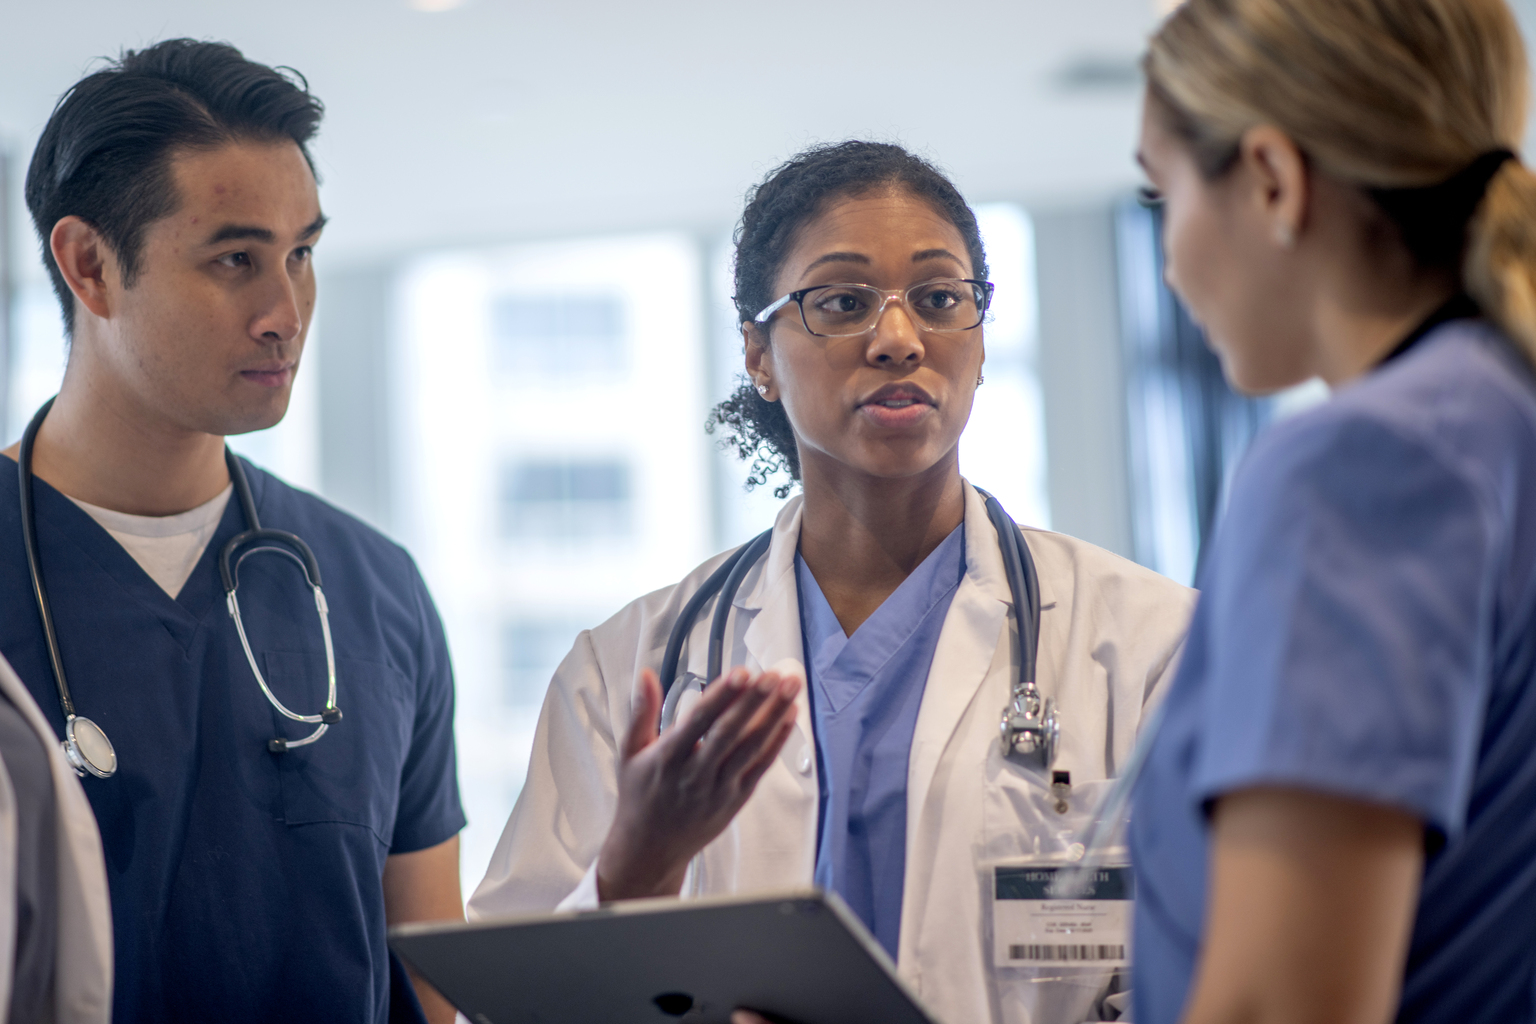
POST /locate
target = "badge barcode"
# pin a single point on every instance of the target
(1058, 953)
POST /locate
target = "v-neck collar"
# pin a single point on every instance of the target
(60, 521)
(841, 665)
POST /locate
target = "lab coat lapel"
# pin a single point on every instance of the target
(768, 603)
(964, 653)
(773, 601)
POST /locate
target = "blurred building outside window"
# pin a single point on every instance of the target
(551, 467)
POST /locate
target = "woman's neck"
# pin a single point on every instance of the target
(862, 536)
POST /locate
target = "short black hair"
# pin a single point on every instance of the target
(105, 154)
(792, 195)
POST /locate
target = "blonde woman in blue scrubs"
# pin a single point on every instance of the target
(1336, 821)
(883, 779)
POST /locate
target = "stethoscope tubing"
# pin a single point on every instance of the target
(726, 580)
(34, 558)
(280, 542)
(291, 546)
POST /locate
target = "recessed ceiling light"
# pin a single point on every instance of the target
(434, 6)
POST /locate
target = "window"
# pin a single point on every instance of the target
(550, 465)
(561, 336)
(531, 650)
(565, 500)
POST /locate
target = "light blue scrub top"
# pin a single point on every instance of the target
(865, 691)
(1368, 629)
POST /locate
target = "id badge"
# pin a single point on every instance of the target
(1037, 922)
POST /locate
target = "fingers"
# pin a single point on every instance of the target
(755, 746)
(747, 1017)
(717, 699)
(642, 727)
(768, 753)
(738, 721)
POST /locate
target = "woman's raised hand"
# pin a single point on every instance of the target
(678, 791)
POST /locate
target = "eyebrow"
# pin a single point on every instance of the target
(935, 254)
(240, 232)
(838, 257)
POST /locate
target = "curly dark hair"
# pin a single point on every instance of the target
(790, 196)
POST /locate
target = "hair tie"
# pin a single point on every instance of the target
(1433, 218)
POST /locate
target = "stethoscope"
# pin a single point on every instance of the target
(1030, 727)
(85, 743)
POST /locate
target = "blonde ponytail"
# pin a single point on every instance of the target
(1389, 95)
(1500, 266)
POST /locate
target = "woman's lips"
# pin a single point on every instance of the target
(896, 412)
(269, 378)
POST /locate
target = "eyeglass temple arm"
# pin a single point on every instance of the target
(773, 308)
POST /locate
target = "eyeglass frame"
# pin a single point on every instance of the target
(798, 298)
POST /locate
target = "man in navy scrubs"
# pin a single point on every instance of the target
(178, 211)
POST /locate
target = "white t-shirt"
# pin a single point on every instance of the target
(166, 547)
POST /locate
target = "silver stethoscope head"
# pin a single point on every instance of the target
(88, 749)
(1031, 728)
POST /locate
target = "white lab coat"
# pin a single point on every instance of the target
(1110, 632)
(83, 983)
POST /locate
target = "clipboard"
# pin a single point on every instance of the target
(800, 957)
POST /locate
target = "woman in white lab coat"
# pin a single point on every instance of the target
(884, 779)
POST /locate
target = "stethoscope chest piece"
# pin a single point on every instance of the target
(88, 749)
(1031, 729)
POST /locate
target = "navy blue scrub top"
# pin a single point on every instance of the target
(1368, 629)
(245, 884)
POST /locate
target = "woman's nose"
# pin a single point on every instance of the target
(896, 338)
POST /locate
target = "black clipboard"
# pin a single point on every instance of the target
(800, 957)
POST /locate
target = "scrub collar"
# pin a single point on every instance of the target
(1458, 307)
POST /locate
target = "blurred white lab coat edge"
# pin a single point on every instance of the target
(83, 979)
(1110, 635)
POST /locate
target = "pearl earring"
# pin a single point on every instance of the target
(1285, 236)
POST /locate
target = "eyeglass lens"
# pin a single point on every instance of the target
(839, 310)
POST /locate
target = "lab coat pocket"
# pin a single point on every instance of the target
(1058, 939)
(350, 775)
(1037, 976)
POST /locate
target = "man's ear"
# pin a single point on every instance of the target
(82, 256)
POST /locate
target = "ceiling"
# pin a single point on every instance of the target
(494, 119)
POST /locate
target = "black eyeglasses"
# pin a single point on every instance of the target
(845, 310)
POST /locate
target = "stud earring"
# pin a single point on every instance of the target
(1285, 236)
(981, 379)
(762, 390)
